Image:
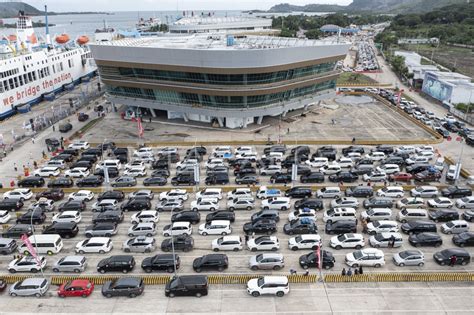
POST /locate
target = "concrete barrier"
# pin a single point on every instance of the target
(403, 277)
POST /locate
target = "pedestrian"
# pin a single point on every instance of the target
(268, 139)
(288, 130)
(246, 238)
(368, 183)
(15, 167)
(12, 183)
(33, 139)
(35, 165)
(349, 272)
(54, 128)
(253, 235)
(292, 271)
(391, 242)
(343, 273)
(452, 260)
(306, 273)
(333, 121)
(353, 140)
(356, 271)
(149, 119)
(364, 225)
(44, 155)
(360, 270)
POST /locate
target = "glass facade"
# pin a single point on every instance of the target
(214, 79)
(230, 102)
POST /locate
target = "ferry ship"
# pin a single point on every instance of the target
(31, 71)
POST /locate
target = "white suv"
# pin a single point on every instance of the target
(174, 194)
(275, 285)
(99, 245)
(204, 205)
(375, 227)
(391, 192)
(229, 242)
(338, 214)
(348, 240)
(368, 257)
(329, 192)
(277, 203)
(305, 241)
(263, 243)
(215, 227)
(210, 192)
(177, 228)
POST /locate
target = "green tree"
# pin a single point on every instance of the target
(313, 34)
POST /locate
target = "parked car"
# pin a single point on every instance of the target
(131, 287)
(76, 287)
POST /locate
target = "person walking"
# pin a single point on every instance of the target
(343, 273)
(391, 241)
(364, 225)
(361, 271)
(246, 238)
(452, 260)
(15, 167)
(349, 272)
(54, 128)
(33, 139)
(293, 271)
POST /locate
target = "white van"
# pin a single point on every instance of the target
(338, 214)
(57, 163)
(210, 193)
(409, 214)
(108, 163)
(44, 244)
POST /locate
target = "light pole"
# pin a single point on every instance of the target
(458, 164)
(172, 246)
(106, 171)
(34, 239)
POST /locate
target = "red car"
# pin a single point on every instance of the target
(54, 194)
(77, 287)
(400, 177)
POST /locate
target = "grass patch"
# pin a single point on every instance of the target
(354, 78)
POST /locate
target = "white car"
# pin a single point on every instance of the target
(27, 264)
(167, 151)
(67, 216)
(18, 194)
(142, 193)
(276, 203)
(451, 174)
(229, 242)
(209, 192)
(354, 156)
(376, 214)
(368, 257)
(77, 172)
(411, 202)
(145, 216)
(465, 203)
(147, 159)
(317, 162)
(174, 194)
(406, 149)
(240, 204)
(142, 229)
(239, 192)
(98, 205)
(305, 241)
(215, 227)
(271, 170)
(263, 243)
(348, 240)
(177, 228)
(135, 172)
(143, 151)
(380, 226)
(79, 145)
(375, 156)
(277, 156)
(329, 192)
(330, 169)
(388, 169)
(426, 154)
(351, 202)
(424, 148)
(391, 192)
(243, 149)
(204, 205)
(345, 162)
(252, 156)
(213, 163)
(47, 171)
(4, 216)
(222, 150)
(134, 163)
(309, 214)
(187, 163)
(274, 285)
(386, 239)
(81, 195)
(374, 177)
(99, 245)
(440, 202)
(417, 159)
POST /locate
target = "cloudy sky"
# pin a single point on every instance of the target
(165, 5)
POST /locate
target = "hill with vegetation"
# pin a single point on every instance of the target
(10, 9)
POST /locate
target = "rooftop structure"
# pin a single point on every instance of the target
(448, 87)
(219, 79)
(331, 28)
(199, 24)
(413, 63)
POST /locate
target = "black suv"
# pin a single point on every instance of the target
(217, 179)
(265, 215)
(161, 262)
(300, 226)
(197, 150)
(345, 177)
(275, 148)
(280, 179)
(400, 161)
(301, 149)
(221, 215)
(72, 205)
(378, 202)
(17, 230)
(113, 172)
(418, 226)
(264, 226)
(315, 204)
(245, 171)
(136, 204)
(36, 216)
(112, 194)
(443, 215)
(353, 148)
(180, 242)
(387, 149)
(456, 192)
(417, 168)
(90, 181)
(61, 182)
(122, 263)
(11, 204)
(313, 177)
(64, 229)
(54, 194)
(217, 262)
(108, 216)
(341, 227)
(326, 151)
(32, 181)
(359, 191)
(312, 260)
(186, 216)
(299, 192)
(183, 179)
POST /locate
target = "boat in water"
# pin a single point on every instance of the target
(31, 69)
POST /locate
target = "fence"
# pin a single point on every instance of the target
(469, 118)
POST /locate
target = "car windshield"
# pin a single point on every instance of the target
(174, 283)
(404, 255)
(259, 257)
(358, 254)
(437, 200)
(330, 212)
(298, 239)
(465, 199)
(379, 237)
(341, 237)
(376, 223)
(449, 224)
(404, 200)
(260, 281)
(370, 212)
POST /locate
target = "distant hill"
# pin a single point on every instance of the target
(378, 6)
(10, 9)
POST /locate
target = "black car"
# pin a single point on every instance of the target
(61, 182)
(161, 262)
(160, 165)
(398, 160)
(64, 229)
(95, 151)
(265, 215)
(445, 257)
(378, 202)
(136, 204)
(186, 216)
(172, 157)
(72, 205)
(443, 215)
(180, 242)
(90, 181)
(65, 127)
(326, 151)
(11, 204)
(456, 192)
(52, 142)
(246, 180)
(32, 181)
(359, 191)
(470, 139)
(281, 179)
(112, 194)
(63, 157)
(183, 179)
(418, 226)
(341, 227)
(17, 230)
(300, 226)
(113, 172)
(425, 239)
(387, 149)
(108, 216)
(301, 149)
(121, 263)
(345, 177)
(221, 215)
(299, 192)
(197, 150)
(217, 262)
(155, 181)
(275, 148)
(88, 157)
(312, 260)
(310, 203)
(217, 179)
(361, 170)
(417, 168)
(74, 152)
(353, 148)
(82, 164)
(54, 194)
(120, 151)
(264, 226)
(313, 177)
(36, 216)
(245, 171)
(464, 239)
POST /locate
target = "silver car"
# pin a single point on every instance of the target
(106, 229)
(273, 261)
(140, 244)
(409, 258)
(169, 205)
(75, 264)
(142, 228)
(30, 287)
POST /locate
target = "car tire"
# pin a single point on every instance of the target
(62, 296)
(132, 295)
(464, 263)
(12, 270)
(359, 247)
(421, 264)
(377, 266)
(55, 270)
(294, 248)
(125, 271)
(255, 294)
(276, 268)
(338, 247)
(166, 235)
(204, 233)
(38, 295)
(254, 268)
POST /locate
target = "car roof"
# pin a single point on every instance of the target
(272, 255)
(186, 224)
(33, 281)
(276, 279)
(231, 238)
(73, 258)
(99, 239)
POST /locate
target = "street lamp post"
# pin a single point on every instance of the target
(172, 246)
(34, 238)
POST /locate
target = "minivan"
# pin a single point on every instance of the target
(410, 214)
(424, 191)
(195, 285)
(455, 227)
(337, 214)
(359, 191)
(64, 229)
(122, 263)
(43, 244)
